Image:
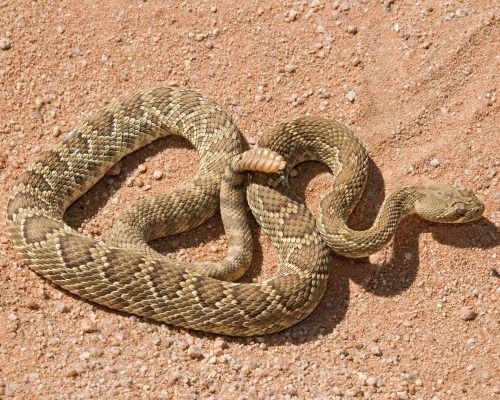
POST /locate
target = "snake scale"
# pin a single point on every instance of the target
(128, 275)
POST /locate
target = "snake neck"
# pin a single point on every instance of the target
(347, 242)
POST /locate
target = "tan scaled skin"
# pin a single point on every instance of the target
(130, 277)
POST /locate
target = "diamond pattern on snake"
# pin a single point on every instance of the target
(128, 275)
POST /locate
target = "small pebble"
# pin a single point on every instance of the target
(462, 12)
(194, 353)
(220, 344)
(289, 68)
(124, 76)
(115, 169)
(138, 182)
(402, 395)
(56, 131)
(5, 43)
(351, 95)
(345, 6)
(32, 305)
(467, 314)
(323, 93)
(39, 102)
(355, 61)
(371, 381)
(33, 377)
(157, 175)
(156, 340)
(352, 29)
(376, 351)
(88, 326)
(323, 104)
(12, 317)
(435, 163)
(292, 15)
(71, 373)
(485, 374)
(293, 172)
(60, 29)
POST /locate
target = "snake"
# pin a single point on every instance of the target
(126, 274)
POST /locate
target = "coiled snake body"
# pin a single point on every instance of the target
(129, 276)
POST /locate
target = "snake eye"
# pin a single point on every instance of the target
(460, 208)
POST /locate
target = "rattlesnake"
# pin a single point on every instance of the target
(129, 276)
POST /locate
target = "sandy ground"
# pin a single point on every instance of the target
(417, 81)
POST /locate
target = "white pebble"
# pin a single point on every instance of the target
(371, 381)
(352, 29)
(289, 68)
(485, 374)
(351, 95)
(292, 15)
(5, 43)
(376, 351)
(194, 353)
(435, 163)
(39, 102)
(467, 314)
(60, 29)
(157, 175)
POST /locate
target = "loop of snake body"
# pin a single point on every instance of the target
(127, 275)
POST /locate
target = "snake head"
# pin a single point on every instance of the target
(448, 204)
